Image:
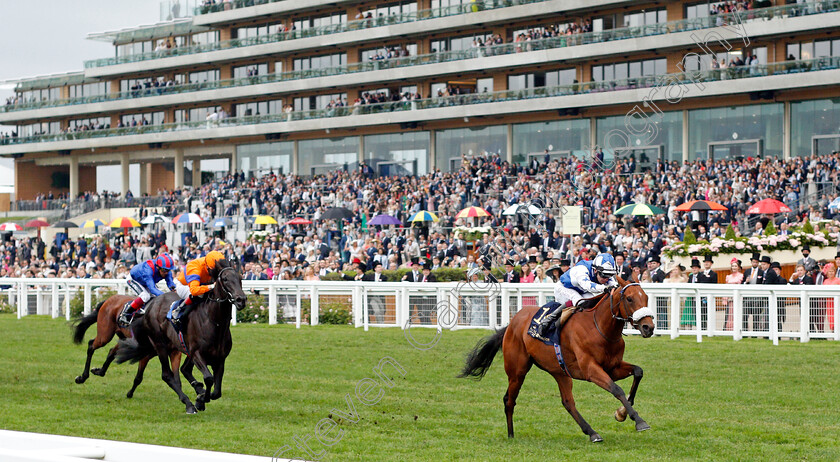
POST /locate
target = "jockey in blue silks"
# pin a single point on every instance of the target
(585, 280)
(143, 281)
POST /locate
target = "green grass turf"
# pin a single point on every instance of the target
(716, 400)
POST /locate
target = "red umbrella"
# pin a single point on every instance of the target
(768, 206)
(37, 223)
(700, 206)
(299, 221)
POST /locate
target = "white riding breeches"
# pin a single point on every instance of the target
(182, 290)
(140, 290)
(563, 294)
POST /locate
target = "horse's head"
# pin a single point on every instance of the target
(633, 307)
(228, 284)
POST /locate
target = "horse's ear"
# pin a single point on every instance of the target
(621, 281)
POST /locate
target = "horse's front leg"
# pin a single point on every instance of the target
(564, 382)
(204, 398)
(621, 372)
(599, 377)
(186, 370)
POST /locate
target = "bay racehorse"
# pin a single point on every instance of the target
(592, 346)
(206, 336)
(105, 317)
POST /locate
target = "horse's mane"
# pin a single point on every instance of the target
(591, 302)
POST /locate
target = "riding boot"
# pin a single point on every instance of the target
(174, 314)
(548, 321)
(125, 316)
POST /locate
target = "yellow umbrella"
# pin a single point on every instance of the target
(264, 220)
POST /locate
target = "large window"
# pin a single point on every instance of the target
(646, 138)
(311, 103)
(261, 159)
(813, 49)
(255, 31)
(90, 89)
(92, 123)
(815, 127)
(197, 114)
(630, 69)
(320, 21)
(137, 84)
(382, 52)
(320, 62)
(541, 79)
(451, 145)
(258, 108)
(566, 136)
(44, 94)
(45, 128)
(150, 118)
(739, 127)
(328, 154)
(391, 9)
(458, 43)
(251, 70)
(204, 76)
(645, 17)
(398, 153)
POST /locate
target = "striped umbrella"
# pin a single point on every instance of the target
(768, 206)
(639, 209)
(92, 223)
(11, 227)
(700, 206)
(187, 218)
(124, 222)
(474, 212)
(423, 215)
(152, 219)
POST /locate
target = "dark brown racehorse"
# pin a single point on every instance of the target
(592, 348)
(206, 336)
(105, 317)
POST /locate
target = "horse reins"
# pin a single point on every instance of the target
(229, 297)
(624, 320)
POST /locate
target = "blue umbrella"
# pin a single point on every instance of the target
(221, 222)
(384, 220)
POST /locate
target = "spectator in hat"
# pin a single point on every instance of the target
(554, 273)
(427, 275)
(656, 273)
(635, 271)
(414, 274)
(771, 277)
(775, 274)
(707, 276)
(376, 302)
(510, 272)
(806, 261)
(695, 270)
(676, 274)
(754, 275)
(736, 276)
(564, 266)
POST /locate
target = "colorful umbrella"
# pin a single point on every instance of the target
(11, 227)
(152, 219)
(473, 212)
(337, 213)
(700, 206)
(768, 206)
(37, 223)
(522, 209)
(639, 209)
(265, 220)
(423, 216)
(187, 218)
(298, 221)
(125, 222)
(92, 223)
(384, 220)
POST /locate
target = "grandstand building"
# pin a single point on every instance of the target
(410, 86)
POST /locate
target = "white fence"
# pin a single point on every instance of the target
(774, 312)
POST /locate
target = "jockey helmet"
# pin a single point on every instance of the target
(604, 264)
(212, 257)
(165, 262)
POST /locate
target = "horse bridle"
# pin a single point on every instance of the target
(634, 317)
(227, 295)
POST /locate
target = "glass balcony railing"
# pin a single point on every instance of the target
(735, 73)
(449, 56)
(215, 6)
(313, 32)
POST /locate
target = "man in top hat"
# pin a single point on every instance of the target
(809, 263)
(695, 270)
(656, 273)
(414, 274)
(427, 275)
(707, 276)
(510, 273)
(376, 302)
(754, 275)
(774, 276)
(564, 266)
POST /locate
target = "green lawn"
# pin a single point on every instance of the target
(719, 399)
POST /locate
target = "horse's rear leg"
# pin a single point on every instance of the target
(172, 379)
(100, 371)
(517, 365)
(138, 378)
(623, 371)
(599, 377)
(564, 382)
(93, 345)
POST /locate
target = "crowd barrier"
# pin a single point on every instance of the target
(701, 310)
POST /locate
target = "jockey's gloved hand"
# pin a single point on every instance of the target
(600, 288)
(211, 286)
(612, 283)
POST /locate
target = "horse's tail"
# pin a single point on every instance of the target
(480, 358)
(131, 350)
(83, 322)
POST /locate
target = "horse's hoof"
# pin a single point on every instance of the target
(129, 395)
(98, 372)
(80, 379)
(215, 396)
(621, 414)
(596, 438)
(642, 426)
(191, 409)
(199, 405)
